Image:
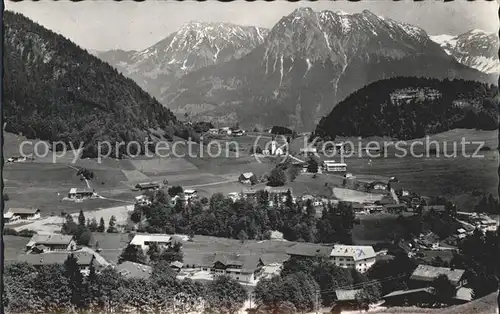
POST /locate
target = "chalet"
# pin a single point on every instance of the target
(134, 270)
(144, 186)
(430, 240)
(395, 208)
(411, 297)
(247, 178)
(9, 217)
(80, 193)
(332, 166)
(177, 266)
(142, 200)
(345, 300)
(234, 196)
(51, 242)
(244, 268)
(84, 259)
(424, 275)
(22, 214)
(357, 257)
(189, 194)
(144, 240)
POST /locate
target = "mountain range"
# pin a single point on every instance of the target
(292, 74)
(195, 45)
(56, 91)
(476, 49)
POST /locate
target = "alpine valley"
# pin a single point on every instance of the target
(291, 75)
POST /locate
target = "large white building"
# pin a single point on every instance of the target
(244, 268)
(332, 166)
(353, 256)
(356, 257)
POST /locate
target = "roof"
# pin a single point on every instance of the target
(50, 239)
(357, 252)
(249, 192)
(429, 273)
(465, 294)
(189, 191)
(24, 211)
(148, 184)
(309, 249)
(405, 292)
(276, 190)
(247, 263)
(347, 295)
(435, 207)
(139, 239)
(247, 175)
(84, 258)
(176, 264)
(134, 270)
(80, 190)
(8, 215)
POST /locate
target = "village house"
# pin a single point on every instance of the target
(84, 259)
(134, 270)
(145, 186)
(346, 300)
(244, 268)
(176, 266)
(430, 240)
(14, 214)
(142, 200)
(358, 257)
(234, 196)
(247, 178)
(424, 275)
(145, 240)
(332, 166)
(80, 193)
(189, 194)
(51, 242)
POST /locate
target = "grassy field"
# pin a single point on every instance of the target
(13, 246)
(375, 228)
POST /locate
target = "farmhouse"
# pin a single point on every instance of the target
(189, 194)
(360, 258)
(247, 178)
(345, 300)
(177, 266)
(144, 240)
(134, 270)
(51, 242)
(424, 275)
(142, 200)
(22, 214)
(244, 268)
(84, 259)
(332, 166)
(144, 186)
(77, 193)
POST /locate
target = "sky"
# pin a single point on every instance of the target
(104, 25)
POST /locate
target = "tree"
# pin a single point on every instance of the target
(132, 253)
(162, 274)
(93, 226)
(175, 190)
(102, 226)
(153, 252)
(173, 253)
(242, 236)
(111, 225)
(277, 177)
(225, 295)
(81, 219)
(312, 165)
(75, 279)
(443, 288)
(69, 226)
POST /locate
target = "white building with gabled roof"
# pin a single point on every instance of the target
(358, 257)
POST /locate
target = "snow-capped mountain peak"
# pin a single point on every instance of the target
(475, 48)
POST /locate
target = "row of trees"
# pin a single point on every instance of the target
(247, 219)
(82, 230)
(63, 289)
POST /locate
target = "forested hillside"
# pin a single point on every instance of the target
(409, 107)
(56, 91)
